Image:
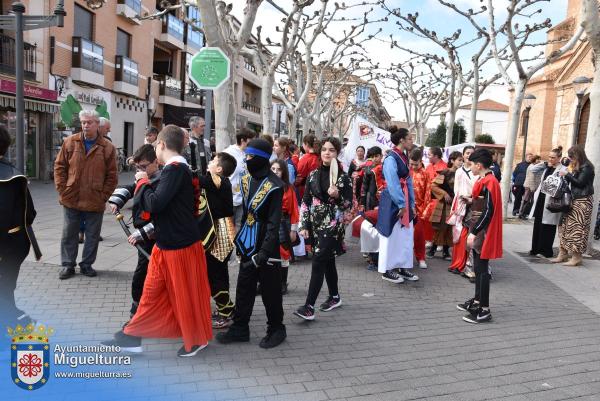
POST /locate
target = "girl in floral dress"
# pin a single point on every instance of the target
(328, 194)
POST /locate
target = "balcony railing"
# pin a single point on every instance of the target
(126, 70)
(7, 57)
(135, 5)
(194, 38)
(173, 26)
(88, 55)
(249, 66)
(251, 107)
(169, 86)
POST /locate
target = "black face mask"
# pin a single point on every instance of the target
(258, 167)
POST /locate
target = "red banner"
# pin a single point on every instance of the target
(29, 91)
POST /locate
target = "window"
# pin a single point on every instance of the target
(84, 26)
(123, 43)
(362, 96)
(194, 15)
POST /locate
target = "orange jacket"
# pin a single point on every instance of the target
(85, 181)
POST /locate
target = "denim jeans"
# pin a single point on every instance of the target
(70, 237)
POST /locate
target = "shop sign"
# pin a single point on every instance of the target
(29, 91)
(89, 98)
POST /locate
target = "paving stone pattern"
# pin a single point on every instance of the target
(387, 342)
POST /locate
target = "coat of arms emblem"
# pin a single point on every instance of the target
(30, 355)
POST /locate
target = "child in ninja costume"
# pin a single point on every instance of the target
(145, 160)
(257, 242)
(176, 297)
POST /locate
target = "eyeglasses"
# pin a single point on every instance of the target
(142, 167)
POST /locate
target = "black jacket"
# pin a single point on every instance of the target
(269, 217)
(16, 205)
(220, 200)
(172, 205)
(582, 181)
(368, 191)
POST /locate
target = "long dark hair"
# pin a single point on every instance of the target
(454, 156)
(285, 174)
(577, 156)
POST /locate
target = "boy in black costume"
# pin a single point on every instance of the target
(258, 244)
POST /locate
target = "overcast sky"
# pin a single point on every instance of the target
(431, 14)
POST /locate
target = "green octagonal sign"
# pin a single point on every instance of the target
(209, 68)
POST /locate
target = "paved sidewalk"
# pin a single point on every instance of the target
(387, 342)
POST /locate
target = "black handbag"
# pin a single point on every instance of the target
(562, 200)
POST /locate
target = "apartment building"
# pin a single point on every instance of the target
(41, 101)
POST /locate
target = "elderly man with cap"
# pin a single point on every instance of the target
(258, 244)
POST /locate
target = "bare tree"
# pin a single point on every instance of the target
(591, 23)
(518, 37)
(421, 87)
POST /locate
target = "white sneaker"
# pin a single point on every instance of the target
(439, 248)
(422, 264)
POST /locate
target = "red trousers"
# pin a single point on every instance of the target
(460, 256)
(419, 242)
(176, 298)
(427, 230)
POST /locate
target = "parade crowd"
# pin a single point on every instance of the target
(270, 202)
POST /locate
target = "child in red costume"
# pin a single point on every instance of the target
(422, 188)
(288, 230)
(485, 235)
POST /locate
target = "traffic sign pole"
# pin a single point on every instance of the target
(208, 98)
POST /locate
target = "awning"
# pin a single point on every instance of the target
(30, 104)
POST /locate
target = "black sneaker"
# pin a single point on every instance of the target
(305, 312)
(408, 276)
(392, 276)
(446, 255)
(273, 338)
(221, 322)
(88, 271)
(66, 272)
(467, 306)
(478, 316)
(126, 342)
(182, 353)
(331, 303)
(234, 335)
(431, 251)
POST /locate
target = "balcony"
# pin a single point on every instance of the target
(88, 62)
(126, 76)
(130, 9)
(192, 93)
(249, 66)
(251, 107)
(172, 32)
(169, 91)
(194, 40)
(7, 58)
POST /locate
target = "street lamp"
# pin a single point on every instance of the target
(18, 22)
(579, 85)
(528, 102)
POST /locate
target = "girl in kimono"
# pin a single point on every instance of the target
(288, 229)
(396, 214)
(463, 187)
(327, 196)
(442, 189)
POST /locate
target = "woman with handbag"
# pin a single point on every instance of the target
(575, 225)
(289, 220)
(327, 196)
(544, 221)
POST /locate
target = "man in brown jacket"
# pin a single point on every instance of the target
(85, 175)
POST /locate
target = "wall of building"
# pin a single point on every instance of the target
(494, 123)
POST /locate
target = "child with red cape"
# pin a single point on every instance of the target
(485, 235)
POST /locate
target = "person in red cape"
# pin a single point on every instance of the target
(422, 188)
(485, 235)
(435, 166)
(176, 297)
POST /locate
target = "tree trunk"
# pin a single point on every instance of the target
(225, 113)
(473, 122)
(421, 132)
(450, 125)
(592, 144)
(511, 141)
(266, 103)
